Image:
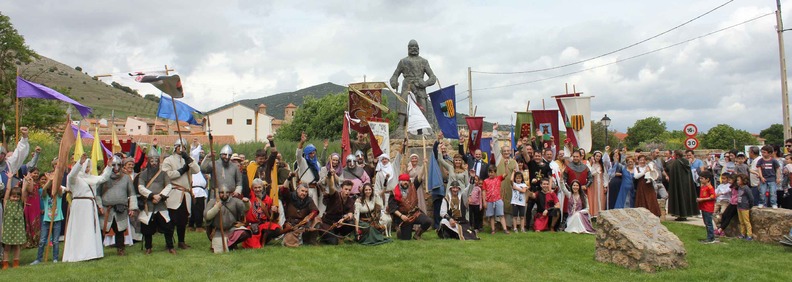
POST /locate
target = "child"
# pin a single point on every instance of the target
(494, 205)
(547, 210)
(47, 220)
(769, 177)
(706, 203)
(740, 167)
(787, 171)
(518, 201)
(14, 221)
(474, 205)
(744, 203)
(724, 194)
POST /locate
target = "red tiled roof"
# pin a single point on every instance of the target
(168, 140)
(620, 135)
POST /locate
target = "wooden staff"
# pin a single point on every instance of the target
(183, 145)
(214, 184)
(426, 167)
(16, 112)
(63, 153)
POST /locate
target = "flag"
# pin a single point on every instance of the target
(169, 84)
(547, 122)
(352, 123)
(116, 147)
(578, 111)
(570, 133)
(78, 147)
(486, 149)
(27, 89)
(444, 106)
(96, 153)
(524, 124)
(475, 129)
(183, 111)
(416, 121)
(67, 141)
(435, 178)
(380, 131)
(361, 108)
(513, 145)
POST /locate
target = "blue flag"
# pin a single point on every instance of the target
(513, 145)
(435, 178)
(486, 149)
(444, 105)
(185, 112)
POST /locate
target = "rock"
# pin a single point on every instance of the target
(635, 239)
(768, 225)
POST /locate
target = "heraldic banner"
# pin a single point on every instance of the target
(578, 111)
(475, 129)
(547, 122)
(444, 106)
(380, 131)
(361, 108)
(524, 125)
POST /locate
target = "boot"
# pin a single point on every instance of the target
(148, 251)
(172, 251)
(183, 246)
(121, 252)
(418, 233)
(16, 263)
(5, 264)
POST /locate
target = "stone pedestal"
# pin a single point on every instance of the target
(768, 225)
(635, 239)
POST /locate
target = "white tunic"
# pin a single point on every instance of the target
(83, 230)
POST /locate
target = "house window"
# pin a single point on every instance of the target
(138, 126)
(229, 121)
(249, 121)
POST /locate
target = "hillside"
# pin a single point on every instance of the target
(98, 95)
(276, 103)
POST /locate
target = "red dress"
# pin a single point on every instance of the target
(572, 175)
(259, 214)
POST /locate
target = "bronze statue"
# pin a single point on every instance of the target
(413, 68)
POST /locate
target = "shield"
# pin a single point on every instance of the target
(577, 122)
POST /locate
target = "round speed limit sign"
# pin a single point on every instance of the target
(691, 143)
(690, 129)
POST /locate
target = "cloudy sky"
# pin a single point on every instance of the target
(232, 50)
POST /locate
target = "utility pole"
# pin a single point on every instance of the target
(782, 58)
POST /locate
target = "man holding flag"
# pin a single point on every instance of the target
(178, 166)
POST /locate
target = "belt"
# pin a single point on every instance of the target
(199, 187)
(83, 198)
(180, 188)
(312, 185)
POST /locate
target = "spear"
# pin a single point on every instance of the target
(63, 155)
(214, 182)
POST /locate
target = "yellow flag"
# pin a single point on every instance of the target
(78, 147)
(96, 153)
(116, 145)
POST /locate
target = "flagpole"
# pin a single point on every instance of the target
(183, 145)
(16, 111)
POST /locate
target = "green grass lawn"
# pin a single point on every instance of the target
(515, 257)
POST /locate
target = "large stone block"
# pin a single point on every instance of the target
(635, 239)
(768, 225)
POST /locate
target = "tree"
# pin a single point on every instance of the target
(723, 136)
(773, 135)
(319, 118)
(152, 97)
(645, 130)
(598, 137)
(13, 53)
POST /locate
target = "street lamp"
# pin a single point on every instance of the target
(606, 122)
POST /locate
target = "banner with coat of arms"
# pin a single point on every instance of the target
(444, 106)
(367, 106)
(578, 111)
(380, 131)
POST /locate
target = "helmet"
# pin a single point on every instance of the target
(226, 150)
(350, 160)
(116, 161)
(179, 142)
(153, 153)
(359, 154)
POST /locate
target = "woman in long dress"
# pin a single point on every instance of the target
(32, 208)
(368, 211)
(627, 189)
(579, 220)
(645, 195)
(83, 230)
(596, 192)
(615, 175)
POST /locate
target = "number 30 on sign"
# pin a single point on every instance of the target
(691, 143)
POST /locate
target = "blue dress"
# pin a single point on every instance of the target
(626, 198)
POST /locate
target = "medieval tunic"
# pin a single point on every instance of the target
(505, 167)
(417, 177)
(296, 210)
(258, 217)
(405, 201)
(308, 176)
(181, 189)
(366, 211)
(228, 174)
(387, 177)
(454, 207)
(645, 195)
(83, 232)
(581, 173)
(231, 210)
(118, 197)
(681, 192)
(159, 186)
(596, 192)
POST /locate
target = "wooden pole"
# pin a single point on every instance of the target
(470, 91)
(426, 167)
(55, 183)
(214, 184)
(16, 112)
(182, 141)
(782, 58)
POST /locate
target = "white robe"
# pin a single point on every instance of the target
(83, 230)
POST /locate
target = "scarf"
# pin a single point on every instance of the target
(299, 203)
(386, 168)
(313, 164)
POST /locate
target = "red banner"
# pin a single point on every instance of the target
(570, 133)
(547, 122)
(361, 108)
(475, 130)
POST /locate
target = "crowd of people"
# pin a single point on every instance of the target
(321, 199)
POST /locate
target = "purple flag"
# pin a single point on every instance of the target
(27, 89)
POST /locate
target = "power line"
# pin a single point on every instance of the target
(611, 52)
(630, 58)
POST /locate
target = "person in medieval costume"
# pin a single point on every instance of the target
(307, 170)
(506, 164)
(119, 200)
(337, 221)
(681, 191)
(155, 187)
(262, 217)
(355, 173)
(333, 165)
(230, 209)
(454, 225)
(228, 173)
(179, 167)
(369, 223)
(387, 178)
(577, 170)
(300, 213)
(83, 232)
(404, 210)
